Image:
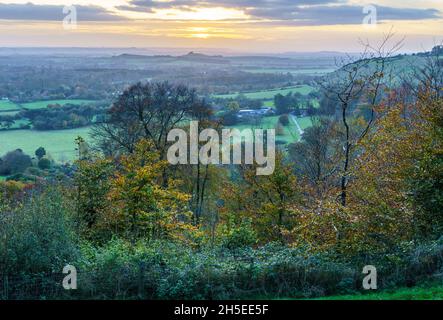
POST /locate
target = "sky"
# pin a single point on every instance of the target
(242, 26)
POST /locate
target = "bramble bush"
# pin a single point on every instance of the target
(39, 239)
(164, 270)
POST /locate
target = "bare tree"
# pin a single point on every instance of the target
(145, 111)
(359, 83)
(317, 155)
(427, 76)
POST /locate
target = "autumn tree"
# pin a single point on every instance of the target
(150, 111)
(265, 199)
(396, 194)
(359, 83)
(142, 207)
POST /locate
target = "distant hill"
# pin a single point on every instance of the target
(190, 57)
(200, 57)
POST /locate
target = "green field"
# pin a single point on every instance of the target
(6, 105)
(269, 94)
(9, 113)
(19, 124)
(304, 122)
(291, 133)
(43, 104)
(58, 143)
(270, 103)
(2, 178)
(312, 71)
(8, 108)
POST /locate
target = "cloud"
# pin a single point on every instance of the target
(31, 11)
(246, 5)
(281, 12)
(293, 12)
(335, 15)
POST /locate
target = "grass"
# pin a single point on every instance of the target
(304, 122)
(9, 113)
(60, 144)
(416, 293)
(269, 94)
(290, 135)
(3, 178)
(43, 104)
(6, 105)
(311, 71)
(19, 124)
(270, 103)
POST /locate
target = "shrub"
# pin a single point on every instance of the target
(44, 163)
(239, 236)
(10, 189)
(37, 237)
(40, 153)
(14, 162)
(33, 171)
(284, 120)
(120, 269)
(164, 270)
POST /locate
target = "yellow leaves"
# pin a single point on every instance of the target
(149, 206)
(265, 199)
(379, 211)
(379, 204)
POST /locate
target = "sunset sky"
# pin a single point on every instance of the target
(230, 25)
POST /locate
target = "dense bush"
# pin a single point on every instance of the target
(37, 236)
(57, 117)
(239, 236)
(44, 163)
(40, 152)
(161, 270)
(119, 269)
(14, 162)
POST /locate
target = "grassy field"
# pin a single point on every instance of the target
(417, 293)
(270, 103)
(9, 113)
(314, 72)
(44, 104)
(6, 105)
(269, 94)
(304, 122)
(58, 143)
(20, 124)
(291, 133)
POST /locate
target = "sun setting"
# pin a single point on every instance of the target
(268, 26)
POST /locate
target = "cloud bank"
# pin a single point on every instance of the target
(31, 11)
